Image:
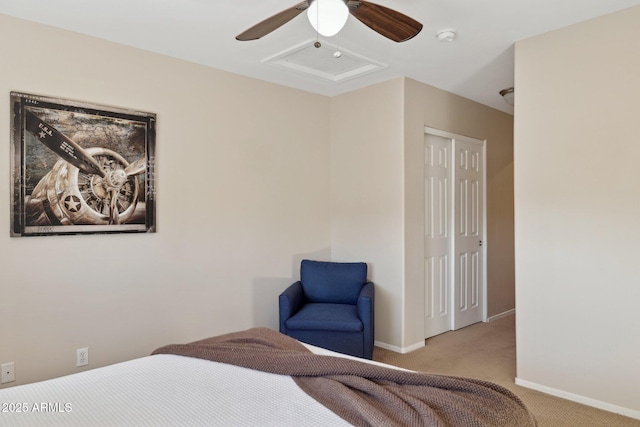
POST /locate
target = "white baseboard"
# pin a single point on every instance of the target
(413, 347)
(501, 315)
(401, 350)
(580, 399)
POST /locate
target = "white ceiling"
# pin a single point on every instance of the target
(477, 65)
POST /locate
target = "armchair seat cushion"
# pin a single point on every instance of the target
(327, 317)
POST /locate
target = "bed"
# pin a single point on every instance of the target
(240, 379)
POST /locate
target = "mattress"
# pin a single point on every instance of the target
(165, 390)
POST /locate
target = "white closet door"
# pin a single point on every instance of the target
(437, 239)
(454, 228)
(468, 261)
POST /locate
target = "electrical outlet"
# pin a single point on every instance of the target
(8, 373)
(82, 356)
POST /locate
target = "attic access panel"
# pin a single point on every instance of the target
(80, 168)
(321, 63)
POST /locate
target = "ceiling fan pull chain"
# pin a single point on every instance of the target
(337, 53)
(317, 43)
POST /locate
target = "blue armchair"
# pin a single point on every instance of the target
(331, 306)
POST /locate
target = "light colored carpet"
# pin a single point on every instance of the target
(487, 351)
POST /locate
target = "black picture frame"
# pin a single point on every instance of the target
(80, 168)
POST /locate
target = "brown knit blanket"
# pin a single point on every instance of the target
(365, 394)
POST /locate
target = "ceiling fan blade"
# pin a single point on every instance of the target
(387, 22)
(272, 23)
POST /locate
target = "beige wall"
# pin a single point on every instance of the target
(378, 197)
(577, 181)
(243, 195)
(367, 196)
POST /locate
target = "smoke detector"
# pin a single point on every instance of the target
(447, 35)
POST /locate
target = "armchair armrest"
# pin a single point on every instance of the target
(365, 300)
(365, 312)
(289, 303)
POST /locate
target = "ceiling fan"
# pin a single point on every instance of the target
(387, 22)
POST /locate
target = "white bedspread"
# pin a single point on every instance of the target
(164, 390)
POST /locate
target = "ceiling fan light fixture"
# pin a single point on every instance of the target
(328, 17)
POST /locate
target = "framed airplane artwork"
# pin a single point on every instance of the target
(80, 168)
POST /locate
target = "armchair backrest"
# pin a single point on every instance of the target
(332, 282)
